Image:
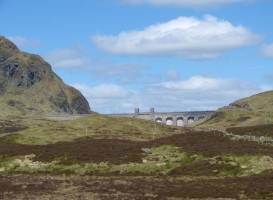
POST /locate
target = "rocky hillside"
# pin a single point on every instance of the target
(28, 86)
(254, 110)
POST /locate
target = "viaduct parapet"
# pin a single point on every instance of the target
(169, 118)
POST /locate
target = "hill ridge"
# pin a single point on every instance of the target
(24, 75)
(254, 110)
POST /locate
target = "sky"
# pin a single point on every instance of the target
(173, 55)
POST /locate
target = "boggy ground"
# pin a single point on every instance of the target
(135, 188)
(124, 151)
(204, 168)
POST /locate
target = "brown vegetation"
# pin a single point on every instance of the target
(261, 130)
(124, 151)
(134, 188)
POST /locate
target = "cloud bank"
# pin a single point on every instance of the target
(194, 93)
(186, 37)
(104, 68)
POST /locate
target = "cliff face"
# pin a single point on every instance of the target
(28, 85)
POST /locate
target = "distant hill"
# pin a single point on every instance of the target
(28, 86)
(254, 110)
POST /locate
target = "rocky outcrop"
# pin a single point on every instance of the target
(240, 105)
(28, 85)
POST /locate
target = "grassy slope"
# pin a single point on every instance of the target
(96, 126)
(254, 110)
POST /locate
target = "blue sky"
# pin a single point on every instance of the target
(173, 55)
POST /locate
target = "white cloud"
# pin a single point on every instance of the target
(194, 83)
(107, 98)
(67, 58)
(76, 57)
(103, 91)
(186, 3)
(267, 50)
(219, 87)
(23, 42)
(194, 93)
(120, 72)
(187, 37)
(201, 92)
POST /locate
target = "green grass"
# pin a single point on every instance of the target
(243, 165)
(42, 132)
(157, 161)
(254, 164)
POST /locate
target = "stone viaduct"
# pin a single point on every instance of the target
(169, 118)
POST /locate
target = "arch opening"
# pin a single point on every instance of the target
(190, 120)
(169, 121)
(158, 120)
(180, 121)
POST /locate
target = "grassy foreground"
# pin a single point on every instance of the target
(98, 144)
(120, 158)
